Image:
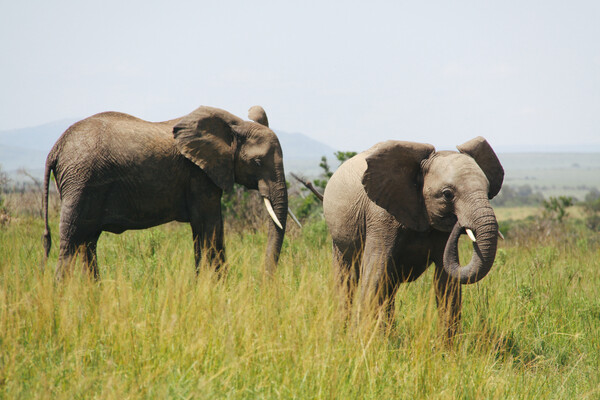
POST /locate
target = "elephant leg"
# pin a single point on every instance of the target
(66, 258)
(206, 221)
(210, 242)
(449, 301)
(208, 235)
(70, 249)
(346, 273)
(78, 236)
(70, 245)
(379, 280)
(90, 259)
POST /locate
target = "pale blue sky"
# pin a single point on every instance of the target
(349, 74)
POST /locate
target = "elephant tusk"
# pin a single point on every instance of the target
(471, 235)
(272, 213)
(294, 217)
(500, 235)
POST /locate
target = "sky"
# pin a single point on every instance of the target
(349, 74)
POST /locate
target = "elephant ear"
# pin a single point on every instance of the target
(206, 138)
(393, 180)
(258, 115)
(480, 150)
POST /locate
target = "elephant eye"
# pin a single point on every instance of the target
(258, 162)
(447, 193)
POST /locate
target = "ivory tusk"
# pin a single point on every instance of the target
(471, 235)
(272, 213)
(500, 235)
(294, 217)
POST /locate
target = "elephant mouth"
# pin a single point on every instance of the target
(444, 223)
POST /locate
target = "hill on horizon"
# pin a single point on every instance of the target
(28, 147)
(571, 171)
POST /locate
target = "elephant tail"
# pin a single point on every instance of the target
(46, 238)
(309, 185)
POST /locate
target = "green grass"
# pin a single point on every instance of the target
(152, 329)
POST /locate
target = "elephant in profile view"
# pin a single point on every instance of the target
(400, 206)
(115, 172)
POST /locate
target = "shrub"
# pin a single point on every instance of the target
(556, 208)
(511, 196)
(591, 209)
(310, 207)
(4, 215)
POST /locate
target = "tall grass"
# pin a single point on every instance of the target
(151, 328)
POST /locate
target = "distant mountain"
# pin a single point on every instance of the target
(302, 154)
(575, 170)
(548, 148)
(299, 146)
(13, 158)
(35, 138)
(28, 147)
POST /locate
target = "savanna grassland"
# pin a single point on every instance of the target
(151, 328)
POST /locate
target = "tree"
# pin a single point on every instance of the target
(518, 196)
(556, 208)
(591, 209)
(593, 195)
(327, 172)
(344, 155)
(4, 180)
(311, 203)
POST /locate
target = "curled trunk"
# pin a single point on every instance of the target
(485, 227)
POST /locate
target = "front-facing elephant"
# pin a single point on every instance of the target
(400, 206)
(115, 172)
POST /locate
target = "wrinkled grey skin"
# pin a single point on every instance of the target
(115, 172)
(399, 206)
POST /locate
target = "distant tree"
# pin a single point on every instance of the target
(556, 208)
(518, 196)
(591, 209)
(311, 204)
(4, 181)
(241, 208)
(344, 155)
(327, 172)
(593, 195)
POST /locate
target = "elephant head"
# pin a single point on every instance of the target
(447, 191)
(229, 149)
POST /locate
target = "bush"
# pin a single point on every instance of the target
(4, 215)
(310, 206)
(556, 207)
(591, 209)
(242, 209)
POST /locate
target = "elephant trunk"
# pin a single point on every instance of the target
(485, 227)
(279, 203)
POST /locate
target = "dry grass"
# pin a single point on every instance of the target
(152, 329)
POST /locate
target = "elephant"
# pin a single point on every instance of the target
(115, 172)
(399, 206)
